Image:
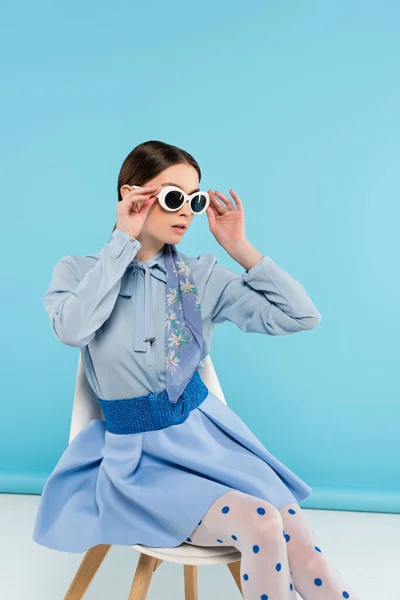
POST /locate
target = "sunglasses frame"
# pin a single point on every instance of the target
(186, 198)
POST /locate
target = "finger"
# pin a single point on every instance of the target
(147, 204)
(237, 200)
(228, 201)
(217, 204)
(132, 200)
(137, 206)
(212, 214)
(144, 187)
(127, 204)
(139, 193)
(131, 203)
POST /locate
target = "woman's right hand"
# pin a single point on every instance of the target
(133, 208)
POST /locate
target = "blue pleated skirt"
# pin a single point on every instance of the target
(153, 488)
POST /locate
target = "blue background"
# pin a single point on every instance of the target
(295, 106)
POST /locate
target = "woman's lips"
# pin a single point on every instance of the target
(179, 229)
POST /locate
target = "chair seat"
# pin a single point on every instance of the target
(189, 554)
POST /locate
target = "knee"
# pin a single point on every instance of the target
(273, 525)
(317, 564)
(266, 520)
(247, 516)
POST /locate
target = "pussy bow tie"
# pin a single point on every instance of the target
(138, 276)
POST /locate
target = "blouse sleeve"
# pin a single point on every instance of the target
(265, 299)
(78, 305)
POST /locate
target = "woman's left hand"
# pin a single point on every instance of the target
(226, 222)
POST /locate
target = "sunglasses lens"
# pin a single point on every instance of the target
(174, 200)
(198, 203)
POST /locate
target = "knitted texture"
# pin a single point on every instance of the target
(154, 410)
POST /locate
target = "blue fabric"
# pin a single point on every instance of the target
(153, 487)
(153, 411)
(183, 323)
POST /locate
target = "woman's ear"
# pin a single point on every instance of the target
(124, 190)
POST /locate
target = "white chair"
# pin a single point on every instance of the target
(85, 408)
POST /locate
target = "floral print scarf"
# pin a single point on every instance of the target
(183, 324)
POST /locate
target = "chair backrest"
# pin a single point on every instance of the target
(86, 406)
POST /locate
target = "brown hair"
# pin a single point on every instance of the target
(149, 159)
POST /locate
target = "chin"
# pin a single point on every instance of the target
(173, 241)
(174, 238)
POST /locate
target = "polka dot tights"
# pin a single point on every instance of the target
(279, 553)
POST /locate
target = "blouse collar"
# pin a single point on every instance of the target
(155, 265)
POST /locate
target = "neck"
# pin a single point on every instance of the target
(148, 251)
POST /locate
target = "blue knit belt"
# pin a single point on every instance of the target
(153, 411)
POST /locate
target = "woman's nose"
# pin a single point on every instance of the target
(185, 210)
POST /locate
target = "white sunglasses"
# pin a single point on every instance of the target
(172, 198)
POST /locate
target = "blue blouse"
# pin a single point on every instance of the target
(113, 307)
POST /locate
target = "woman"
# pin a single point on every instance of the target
(171, 462)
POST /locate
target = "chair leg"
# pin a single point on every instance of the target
(158, 563)
(143, 574)
(190, 577)
(86, 572)
(234, 568)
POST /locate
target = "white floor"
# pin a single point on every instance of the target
(364, 547)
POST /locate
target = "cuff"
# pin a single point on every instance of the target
(252, 273)
(121, 240)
